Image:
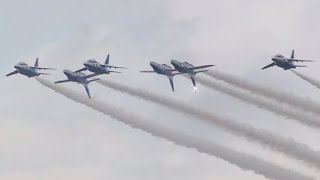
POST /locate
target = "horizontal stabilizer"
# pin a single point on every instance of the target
(90, 75)
(270, 65)
(83, 69)
(300, 60)
(300, 66)
(178, 73)
(63, 81)
(115, 71)
(200, 71)
(116, 67)
(200, 67)
(40, 68)
(44, 74)
(12, 73)
(89, 81)
(147, 71)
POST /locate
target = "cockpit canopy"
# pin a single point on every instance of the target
(187, 63)
(279, 56)
(92, 61)
(22, 64)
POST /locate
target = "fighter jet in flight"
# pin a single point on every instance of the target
(164, 70)
(29, 71)
(184, 67)
(286, 63)
(95, 67)
(79, 78)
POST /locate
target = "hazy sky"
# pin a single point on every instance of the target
(43, 135)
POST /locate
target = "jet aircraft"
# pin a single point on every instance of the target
(286, 63)
(79, 78)
(95, 67)
(163, 69)
(185, 67)
(29, 71)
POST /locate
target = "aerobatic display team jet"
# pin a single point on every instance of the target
(95, 67)
(163, 69)
(29, 71)
(79, 78)
(286, 63)
(185, 67)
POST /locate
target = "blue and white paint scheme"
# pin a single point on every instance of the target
(185, 67)
(286, 63)
(163, 69)
(29, 71)
(79, 78)
(95, 67)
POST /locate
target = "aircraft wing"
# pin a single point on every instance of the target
(270, 65)
(12, 73)
(300, 60)
(200, 67)
(63, 81)
(83, 69)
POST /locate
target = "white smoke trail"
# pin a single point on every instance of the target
(275, 142)
(306, 118)
(242, 160)
(282, 97)
(312, 81)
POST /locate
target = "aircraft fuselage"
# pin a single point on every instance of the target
(183, 67)
(96, 68)
(283, 63)
(161, 68)
(26, 70)
(75, 76)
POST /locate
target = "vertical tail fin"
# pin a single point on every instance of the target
(107, 60)
(292, 54)
(193, 79)
(87, 89)
(171, 82)
(36, 64)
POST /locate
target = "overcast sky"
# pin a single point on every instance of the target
(43, 135)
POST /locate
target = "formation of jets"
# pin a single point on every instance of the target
(97, 68)
(180, 68)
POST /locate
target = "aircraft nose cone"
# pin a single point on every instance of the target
(15, 66)
(152, 63)
(86, 64)
(66, 72)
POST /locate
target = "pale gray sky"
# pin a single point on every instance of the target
(46, 136)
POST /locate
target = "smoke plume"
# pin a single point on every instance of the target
(243, 161)
(275, 142)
